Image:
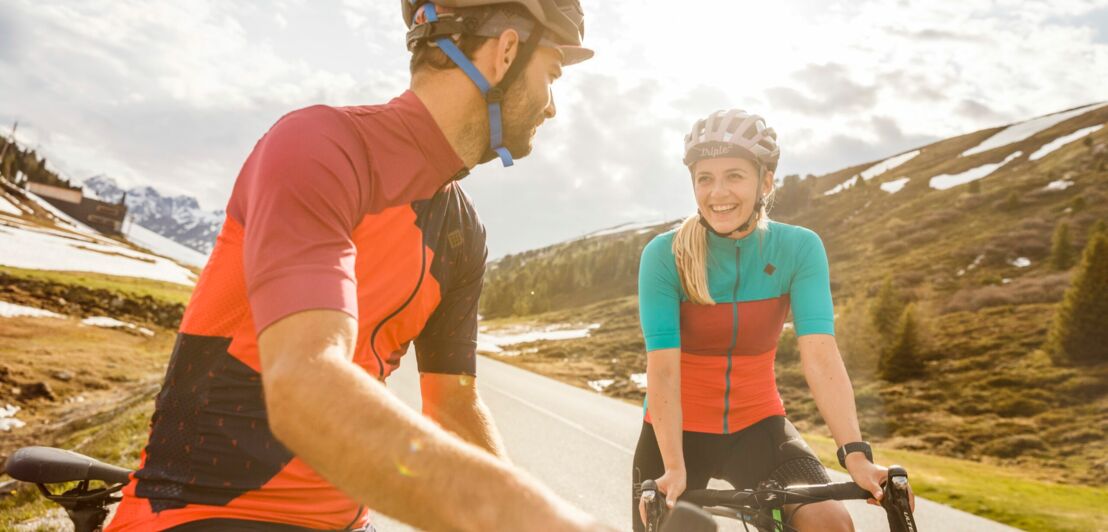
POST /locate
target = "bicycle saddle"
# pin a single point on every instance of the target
(47, 465)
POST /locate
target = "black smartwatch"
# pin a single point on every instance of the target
(854, 447)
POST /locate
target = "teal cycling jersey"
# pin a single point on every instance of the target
(727, 349)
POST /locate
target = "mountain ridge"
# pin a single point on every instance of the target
(178, 218)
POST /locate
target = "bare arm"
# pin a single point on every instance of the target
(663, 392)
(453, 402)
(357, 435)
(663, 388)
(826, 375)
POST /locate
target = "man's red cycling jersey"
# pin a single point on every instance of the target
(353, 209)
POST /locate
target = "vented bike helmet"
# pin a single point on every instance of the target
(559, 24)
(733, 133)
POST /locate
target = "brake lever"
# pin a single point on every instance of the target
(896, 501)
(649, 495)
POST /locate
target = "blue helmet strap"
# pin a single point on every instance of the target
(493, 95)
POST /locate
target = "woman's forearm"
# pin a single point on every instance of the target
(663, 391)
(831, 389)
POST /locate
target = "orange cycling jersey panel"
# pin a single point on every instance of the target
(354, 209)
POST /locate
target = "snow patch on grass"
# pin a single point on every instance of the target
(165, 247)
(1057, 143)
(495, 342)
(896, 185)
(874, 171)
(8, 421)
(112, 323)
(11, 310)
(1060, 184)
(47, 249)
(601, 384)
(945, 181)
(1027, 129)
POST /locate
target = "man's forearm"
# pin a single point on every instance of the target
(470, 420)
(351, 430)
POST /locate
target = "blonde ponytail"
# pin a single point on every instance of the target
(690, 248)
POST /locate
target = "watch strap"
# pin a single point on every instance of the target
(854, 447)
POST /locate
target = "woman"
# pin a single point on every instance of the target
(713, 297)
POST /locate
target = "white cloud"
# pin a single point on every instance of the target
(176, 94)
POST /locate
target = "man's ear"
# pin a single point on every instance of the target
(507, 48)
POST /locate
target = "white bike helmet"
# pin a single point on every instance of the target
(733, 133)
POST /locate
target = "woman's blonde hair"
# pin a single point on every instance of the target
(690, 248)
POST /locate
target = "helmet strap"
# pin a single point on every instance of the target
(436, 30)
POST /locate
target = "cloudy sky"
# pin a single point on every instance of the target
(175, 94)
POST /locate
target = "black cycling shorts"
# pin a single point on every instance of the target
(769, 449)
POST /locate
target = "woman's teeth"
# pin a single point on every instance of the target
(724, 208)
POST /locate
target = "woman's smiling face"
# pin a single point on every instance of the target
(726, 191)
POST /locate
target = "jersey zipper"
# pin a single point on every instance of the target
(377, 329)
(734, 337)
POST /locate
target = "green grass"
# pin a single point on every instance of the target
(129, 286)
(999, 493)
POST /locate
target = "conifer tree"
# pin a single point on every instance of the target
(901, 361)
(1061, 251)
(1079, 334)
(885, 310)
(975, 187)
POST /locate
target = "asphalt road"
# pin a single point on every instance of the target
(581, 443)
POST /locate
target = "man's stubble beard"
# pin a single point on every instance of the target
(522, 113)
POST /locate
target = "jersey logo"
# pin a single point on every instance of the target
(454, 238)
(770, 269)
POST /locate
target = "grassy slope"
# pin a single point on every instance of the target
(126, 286)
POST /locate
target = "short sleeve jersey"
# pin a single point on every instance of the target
(353, 209)
(727, 349)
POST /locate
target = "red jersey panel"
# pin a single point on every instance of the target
(355, 209)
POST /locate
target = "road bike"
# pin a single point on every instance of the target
(761, 509)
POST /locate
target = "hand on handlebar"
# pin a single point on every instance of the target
(871, 477)
(671, 484)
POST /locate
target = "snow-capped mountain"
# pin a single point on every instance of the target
(178, 218)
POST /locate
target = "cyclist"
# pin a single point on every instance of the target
(713, 298)
(347, 238)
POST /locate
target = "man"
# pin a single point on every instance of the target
(347, 238)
